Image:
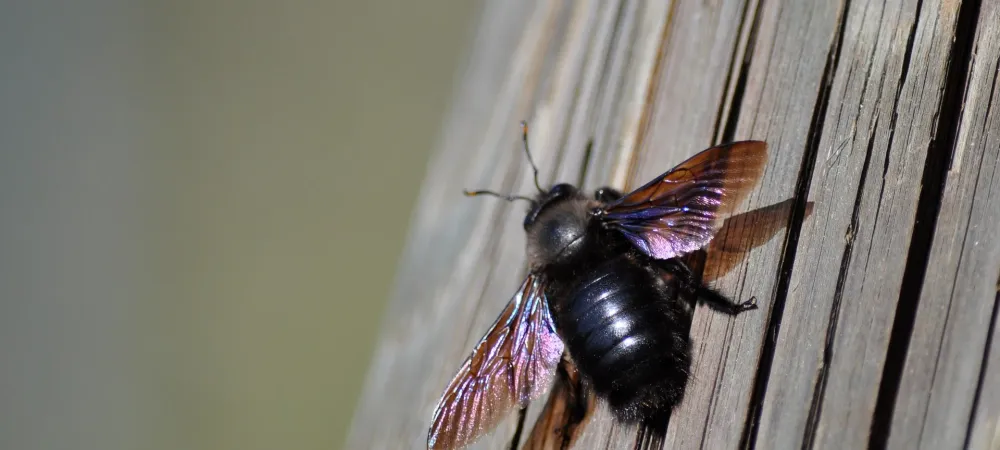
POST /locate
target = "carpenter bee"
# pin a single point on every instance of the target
(608, 294)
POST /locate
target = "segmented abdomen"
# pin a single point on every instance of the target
(626, 329)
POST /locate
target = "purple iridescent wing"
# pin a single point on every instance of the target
(512, 365)
(681, 210)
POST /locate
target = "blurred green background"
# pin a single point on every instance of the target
(203, 204)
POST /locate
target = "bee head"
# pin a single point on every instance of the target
(557, 226)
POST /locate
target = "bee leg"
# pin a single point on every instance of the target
(607, 194)
(580, 403)
(704, 294)
(715, 300)
(566, 412)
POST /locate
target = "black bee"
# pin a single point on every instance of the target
(607, 287)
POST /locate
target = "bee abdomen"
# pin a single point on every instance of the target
(624, 328)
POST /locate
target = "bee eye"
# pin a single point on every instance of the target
(561, 190)
(530, 218)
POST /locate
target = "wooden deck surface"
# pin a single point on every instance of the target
(877, 308)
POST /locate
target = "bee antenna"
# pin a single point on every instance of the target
(509, 198)
(527, 152)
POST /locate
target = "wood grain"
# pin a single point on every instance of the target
(878, 300)
(784, 79)
(849, 265)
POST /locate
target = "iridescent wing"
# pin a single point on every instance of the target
(681, 210)
(512, 365)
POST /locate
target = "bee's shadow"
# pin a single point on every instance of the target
(744, 232)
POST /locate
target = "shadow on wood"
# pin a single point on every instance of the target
(744, 232)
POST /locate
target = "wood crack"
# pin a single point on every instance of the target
(736, 102)
(819, 388)
(751, 427)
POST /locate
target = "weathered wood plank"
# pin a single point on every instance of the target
(941, 377)
(784, 80)
(831, 347)
(619, 126)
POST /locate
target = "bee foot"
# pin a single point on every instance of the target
(748, 305)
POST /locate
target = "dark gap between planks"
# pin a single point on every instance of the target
(736, 102)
